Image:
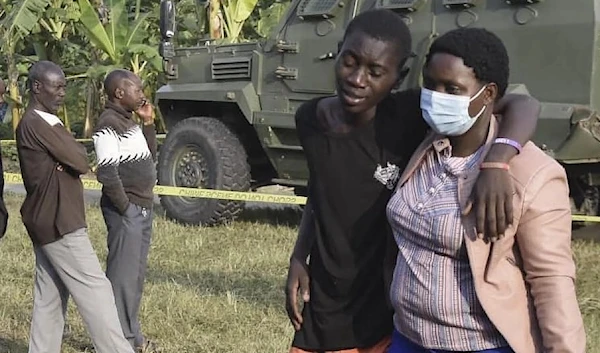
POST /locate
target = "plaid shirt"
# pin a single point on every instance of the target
(433, 292)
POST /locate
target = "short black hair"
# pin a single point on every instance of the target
(384, 25)
(40, 70)
(112, 80)
(480, 50)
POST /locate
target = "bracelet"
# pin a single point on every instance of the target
(494, 165)
(507, 141)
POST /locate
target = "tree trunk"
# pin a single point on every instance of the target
(16, 97)
(66, 118)
(215, 19)
(88, 128)
(13, 85)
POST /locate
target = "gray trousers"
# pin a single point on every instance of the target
(128, 246)
(70, 266)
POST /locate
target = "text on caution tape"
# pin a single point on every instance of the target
(90, 184)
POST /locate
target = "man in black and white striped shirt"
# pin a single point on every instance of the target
(126, 156)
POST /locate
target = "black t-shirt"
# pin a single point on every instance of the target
(348, 305)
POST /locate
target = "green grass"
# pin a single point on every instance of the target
(209, 289)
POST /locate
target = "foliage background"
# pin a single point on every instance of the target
(63, 31)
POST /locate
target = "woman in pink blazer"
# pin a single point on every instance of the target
(452, 291)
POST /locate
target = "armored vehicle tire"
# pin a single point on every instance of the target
(202, 152)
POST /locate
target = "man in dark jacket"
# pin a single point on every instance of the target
(54, 215)
(126, 154)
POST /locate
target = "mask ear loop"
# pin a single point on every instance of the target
(478, 93)
(482, 108)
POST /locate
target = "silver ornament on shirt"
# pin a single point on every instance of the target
(388, 176)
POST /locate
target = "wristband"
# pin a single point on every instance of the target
(507, 141)
(494, 165)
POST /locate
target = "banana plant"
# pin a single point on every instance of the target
(269, 17)
(17, 20)
(120, 43)
(215, 19)
(54, 28)
(236, 12)
(59, 16)
(227, 18)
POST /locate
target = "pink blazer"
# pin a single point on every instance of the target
(525, 281)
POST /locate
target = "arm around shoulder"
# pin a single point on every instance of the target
(520, 113)
(544, 240)
(519, 117)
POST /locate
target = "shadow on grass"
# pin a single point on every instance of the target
(288, 216)
(586, 232)
(276, 215)
(81, 342)
(272, 214)
(12, 346)
(253, 287)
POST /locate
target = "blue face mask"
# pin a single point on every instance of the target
(448, 114)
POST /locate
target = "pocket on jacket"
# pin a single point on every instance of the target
(131, 210)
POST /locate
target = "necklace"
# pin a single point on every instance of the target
(388, 176)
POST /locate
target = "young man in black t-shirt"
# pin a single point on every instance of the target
(356, 145)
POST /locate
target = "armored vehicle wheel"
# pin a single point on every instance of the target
(202, 152)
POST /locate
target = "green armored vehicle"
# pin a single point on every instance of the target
(230, 108)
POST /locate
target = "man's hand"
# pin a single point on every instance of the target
(297, 279)
(145, 112)
(491, 199)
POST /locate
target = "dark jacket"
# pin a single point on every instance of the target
(125, 154)
(51, 163)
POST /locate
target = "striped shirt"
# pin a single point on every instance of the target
(432, 291)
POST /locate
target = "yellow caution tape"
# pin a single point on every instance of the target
(14, 142)
(91, 184)
(582, 218)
